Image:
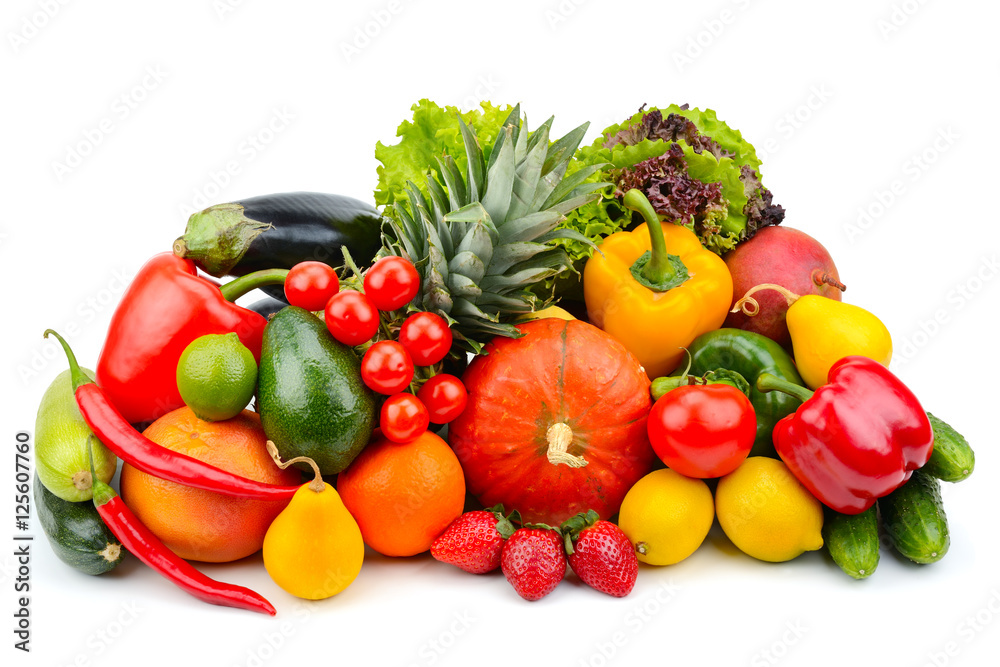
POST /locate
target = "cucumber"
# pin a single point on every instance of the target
(853, 542)
(914, 519)
(77, 533)
(952, 459)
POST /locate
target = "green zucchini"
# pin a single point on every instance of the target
(77, 533)
(914, 519)
(952, 459)
(853, 541)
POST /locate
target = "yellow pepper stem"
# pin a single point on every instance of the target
(751, 307)
(657, 270)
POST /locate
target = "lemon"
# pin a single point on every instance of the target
(551, 311)
(216, 376)
(767, 513)
(666, 516)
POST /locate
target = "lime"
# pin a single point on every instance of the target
(766, 511)
(216, 376)
(666, 516)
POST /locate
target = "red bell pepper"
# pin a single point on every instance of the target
(164, 309)
(857, 438)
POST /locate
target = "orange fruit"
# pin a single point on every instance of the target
(204, 525)
(403, 495)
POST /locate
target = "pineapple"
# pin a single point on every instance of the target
(480, 240)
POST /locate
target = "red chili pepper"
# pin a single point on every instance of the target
(118, 435)
(857, 438)
(167, 306)
(145, 546)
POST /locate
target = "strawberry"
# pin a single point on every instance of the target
(601, 554)
(474, 540)
(533, 561)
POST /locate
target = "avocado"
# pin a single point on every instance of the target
(310, 396)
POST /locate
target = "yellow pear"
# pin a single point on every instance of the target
(824, 331)
(313, 549)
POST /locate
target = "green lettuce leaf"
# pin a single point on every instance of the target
(731, 140)
(433, 132)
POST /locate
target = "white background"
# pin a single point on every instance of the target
(841, 100)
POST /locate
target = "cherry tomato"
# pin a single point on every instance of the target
(445, 397)
(310, 285)
(702, 430)
(403, 417)
(426, 337)
(386, 367)
(391, 283)
(351, 317)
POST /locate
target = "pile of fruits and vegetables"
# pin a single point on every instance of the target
(528, 354)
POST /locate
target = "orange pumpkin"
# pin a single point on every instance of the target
(556, 422)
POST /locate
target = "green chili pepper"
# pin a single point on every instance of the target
(662, 385)
(750, 354)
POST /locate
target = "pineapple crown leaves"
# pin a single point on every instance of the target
(480, 239)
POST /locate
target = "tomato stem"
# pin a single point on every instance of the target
(352, 267)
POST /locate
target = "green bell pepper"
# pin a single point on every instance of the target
(750, 354)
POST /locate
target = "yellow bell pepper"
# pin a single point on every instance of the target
(656, 293)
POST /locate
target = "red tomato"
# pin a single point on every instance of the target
(310, 285)
(426, 337)
(386, 367)
(445, 397)
(351, 317)
(702, 430)
(391, 283)
(403, 417)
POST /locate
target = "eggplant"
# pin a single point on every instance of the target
(267, 306)
(278, 231)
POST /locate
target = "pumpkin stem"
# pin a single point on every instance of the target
(316, 484)
(560, 437)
